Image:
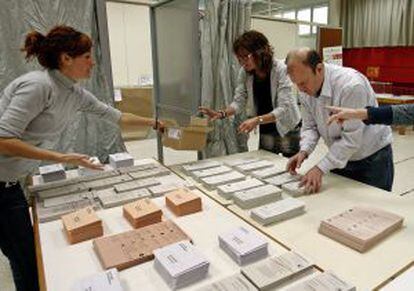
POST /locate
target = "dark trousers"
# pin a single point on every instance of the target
(288, 145)
(376, 170)
(16, 237)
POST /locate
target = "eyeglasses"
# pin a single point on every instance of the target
(243, 59)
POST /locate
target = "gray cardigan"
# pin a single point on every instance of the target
(286, 110)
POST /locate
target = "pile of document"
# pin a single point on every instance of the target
(278, 211)
(82, 225)
(269, 172)
(274, 271)
(110, 198)
(103, 281)
(361, 227)
(326, 281)
(51, 173)
(257, 196)
(136, 184)
(238, 162)
(254, 166)
(293, 189)
(243, 246)
(227, 190)
(142, 213)
(217, 180)
(210, 172)
(283, 179)
(121, 160)
(180, 264)
(201, 166)
(235, 282)
(183, 201)
(83, 171)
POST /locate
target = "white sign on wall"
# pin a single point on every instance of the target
(332, 55)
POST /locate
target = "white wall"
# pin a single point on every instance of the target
(130, 42)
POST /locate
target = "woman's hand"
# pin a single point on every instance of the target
(248, 125)
(341, 114)
(80, 160)
(158, 125)
(212, 114)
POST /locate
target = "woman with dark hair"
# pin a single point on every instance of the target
(34, 109)
(263, 82)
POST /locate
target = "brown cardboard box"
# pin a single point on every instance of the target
(139, 101)
(82, 225)
(142, 213)
(183, 202)
(191, 137)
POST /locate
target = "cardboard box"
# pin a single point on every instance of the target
(82, 225)
(191, 137)
(142, 213)
(183, 201)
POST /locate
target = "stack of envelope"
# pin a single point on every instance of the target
(272, 272)
(82, 225)
(183, 201)
(142, 213)
(243, 246)
(51, 173)
(257, 196)
(326, 281)
(180, 264)
(361, 227)
(278, 211)
(121, 160)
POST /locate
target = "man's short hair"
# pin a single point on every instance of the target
(311, 59)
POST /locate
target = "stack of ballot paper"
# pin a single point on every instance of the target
(82, 225)
(136, 184)
(229, 177)
(227, 190)
(326, 281)
(142, 213)
(238, 162)
(235, 282)
(110, 198)
(272, 272)
(210, 172)
(183, 201)
(257, 196)
(121, 160)
(269, 172)
(201, 165)
(103, 281)
(278, 211)
(83, 171)
(361, 227)
(51, 173)
(254, 166)
(293, 189)
(180, 264)
(283, 179)
(243, 246)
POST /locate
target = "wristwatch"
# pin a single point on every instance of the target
(261, 120)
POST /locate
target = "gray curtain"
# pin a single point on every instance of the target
(372, 23)
(221, 23)
(87, 133)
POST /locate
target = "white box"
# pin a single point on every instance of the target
(121, 160)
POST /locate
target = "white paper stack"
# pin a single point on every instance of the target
(326, 281)
(201, 165)
(210, 172)
(52, 173)
(135, 184)
(276, 270)
(269, 172)
(121, 160)
(217, 180)
(235, 282)
(255, 166)
(59, 200)
(282, 179)
(278, 211)
(160, 190)
(103, 281)
(180, 264)
(243, 246)
(257, 196)
(107, 182)
(227, 191)
(118, 199)
(82, 171)
(238, 162)
(154, 172)
(293, 189)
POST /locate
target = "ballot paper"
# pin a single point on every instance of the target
(243, 246)
(56, 201)
(238, 162)
(235, 282)
(254, 166)
(210, 172)
(293, 189)
(180, 264)
(168, 186)
(278, 211)
(61, 191)
(83, 171)
(276, 270)
(103, 281)
(214, 181)
(282, 179)
(361, 227)
(107, 182)
(326, 281)
(109, 201)
(227, 190)
(51, 173)
(121, 160)
(269, 172)
(201, 165)
(150, 165)
(154, 172)
(257, 196)
(136, 184)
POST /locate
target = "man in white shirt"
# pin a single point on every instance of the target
(356, 150)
